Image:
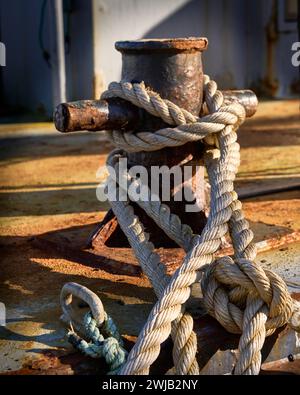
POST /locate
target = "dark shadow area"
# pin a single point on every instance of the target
(45, 186)
(271, 188)
(270, 132)
(9, 115)
(273, 171)
(274, 120)
(66, 244)
(20, 149)
(60, 201)
(279, 196)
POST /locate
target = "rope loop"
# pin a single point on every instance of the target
(238, 279)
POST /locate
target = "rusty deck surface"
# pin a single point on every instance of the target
(49, 208)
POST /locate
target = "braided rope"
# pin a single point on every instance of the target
(168, 308)
(243, 297)
(182, 328)
(110, 348)
(262, 294)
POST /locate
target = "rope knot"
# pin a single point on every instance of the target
(232, 288)
(115, 355)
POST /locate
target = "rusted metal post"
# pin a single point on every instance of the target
(173, 68)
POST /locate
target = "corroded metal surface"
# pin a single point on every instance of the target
(245, 97)
(185, 45)
(96, 115)
(173, 68)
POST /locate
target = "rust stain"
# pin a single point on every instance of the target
(173, 258)
(53, 363)
(121, 260)
(190, 44)
(282, 366)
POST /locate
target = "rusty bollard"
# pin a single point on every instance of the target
(173, 68)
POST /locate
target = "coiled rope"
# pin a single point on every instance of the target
(242, 296)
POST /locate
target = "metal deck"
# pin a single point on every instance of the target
(49, 208)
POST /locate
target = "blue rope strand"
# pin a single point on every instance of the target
(108, 344)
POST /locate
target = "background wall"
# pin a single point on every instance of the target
(27, 30)
(238, 55)
(249, 44)
(26, 79)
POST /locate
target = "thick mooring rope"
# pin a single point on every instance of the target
(242, 296)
